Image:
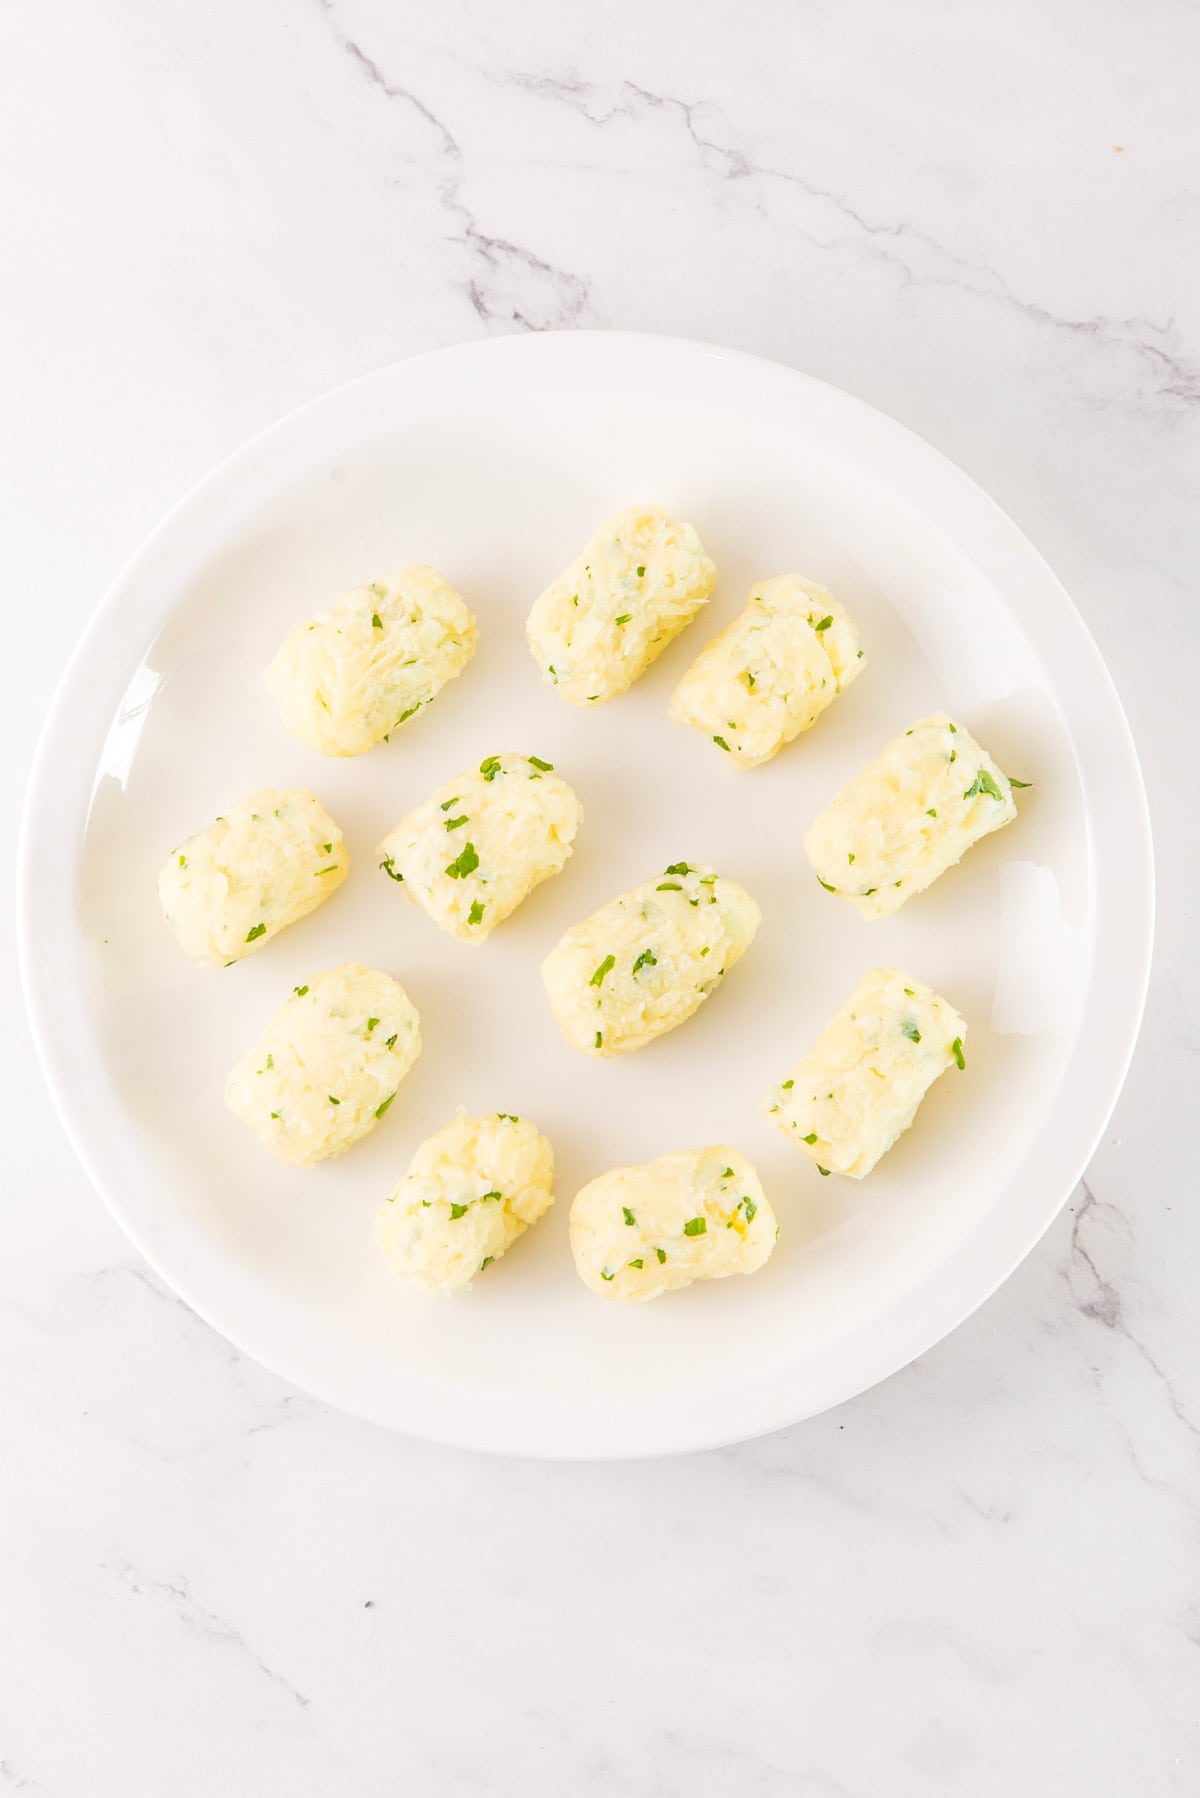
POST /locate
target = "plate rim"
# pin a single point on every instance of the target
(546, 1427)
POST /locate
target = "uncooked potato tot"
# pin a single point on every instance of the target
(629, 592)
(327, 1067)
(700, 1214)
(858, 1088)
(912, 814)
(648, 959)
(772, 672)
(470, 1191)
(273, 858)
(347, 678)
(478, 846)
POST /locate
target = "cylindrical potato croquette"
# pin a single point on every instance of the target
(629, 592)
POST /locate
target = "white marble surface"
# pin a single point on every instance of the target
(982, 1578)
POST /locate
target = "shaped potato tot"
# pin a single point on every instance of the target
(470, 1191)
(772, 672)
(347, 678)
(912, 814)
(858, 1088)
(482, 842)
(698, 1215)
(328, 1064)
(272, 859)
(629, 592)
(648, 959)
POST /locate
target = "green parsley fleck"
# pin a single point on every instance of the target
(641, 571)
(696, 1226)
(678, 868)
(490, 767)
(749, 680)
(605, 966)
(389, 868)
(638, 1263)
(331, 869)
(546, 767)
(956, 1049)
(668, 886)
(334, 1101)
(826, 885)
(457, 1211)
(661, 1253)
(376, 621)
(824, 623)
(628, 1216)
(823, 1170)
(605, 1275)
(486, 1262)
(624, 618)
(183, 861)
(258, 930)
(300, 991)
(983, 783)
(380, 1109)
(810, 1138)
(270, 1061)
(475, 915)
(274, 1114)
(448, 805)
(911, 1032)
(1019, 783)
(751, 1210)
(722, 744)
(510, 1117)
(453, 823)
(464, 864)
(371, 1023)
(486, 1198)
(787, 1085)
(954, 730)
(647, 959)
(932, 812)
(391, 1043)
(728, 1174)
(599, 1040)
(409, 713)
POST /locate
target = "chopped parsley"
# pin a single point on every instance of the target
(380, 1109)
(668, 886)
(678, 868)
(954, 730)
(810, 1138)
(389, 868)
(546, 767)
(983, 783)
(1019, 783)
(453, 823)
(911, 1032)
(788, 1085)
(183, 861)
(661, 1253)
(486, 1262)
(751, 1210)
(391, 1043)
(376, 621)
(256, 932)
(696, 1226)
(932, 812)
(448, 805)
(331, 869)
(638, 1263)
(475, 915)
(490, 766)
(749, 680)
(409, 713)
(628, 1216)
(605, 1275)
(300, 991)
(464, 864)
(956, 1049)
(328, 848)
(823, 624)
(624, 618)
(599, 1040)
(487, 1197)
(722, 744)
(371, 1023)
(334, 1101)
(826, 885)
(641, 571)
(605, 966)
(457, 1211)
(728, 1174)
(647, 959)
(823, 1170)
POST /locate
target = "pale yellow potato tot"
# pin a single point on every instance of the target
(701, 1214)
(327, 1067)
(912, 814)
(348, 677)
(273, 858)
(478, 846)
(857, 1090)
(470, 1191)
(772, 672)
(629, 592)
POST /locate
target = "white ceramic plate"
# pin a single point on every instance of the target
(493, 462)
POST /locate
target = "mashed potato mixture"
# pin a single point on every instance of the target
(629, 592)
(470, 1191)
(772, 672)
(327, 1067)
(347, 678)
(858, 1088)
(273, 858)
(482, 842)
(912, 814)
(648, 959)
(700, 1214)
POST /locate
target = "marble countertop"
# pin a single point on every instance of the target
(983, 1576)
